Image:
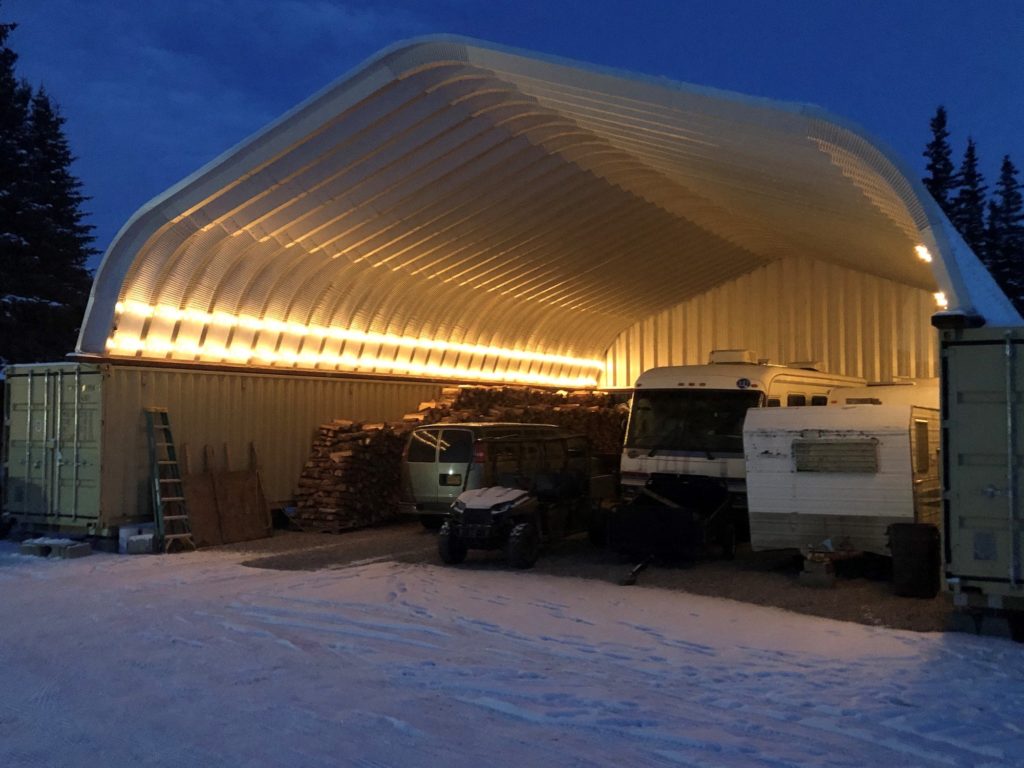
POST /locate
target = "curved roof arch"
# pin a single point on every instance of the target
(455, 209)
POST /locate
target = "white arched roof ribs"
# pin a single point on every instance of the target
(451, 192)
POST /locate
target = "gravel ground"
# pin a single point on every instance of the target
(861, 592)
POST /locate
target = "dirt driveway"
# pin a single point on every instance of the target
(764, 578)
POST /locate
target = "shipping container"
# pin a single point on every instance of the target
(841, 474)
(983, 445)
(75, 454)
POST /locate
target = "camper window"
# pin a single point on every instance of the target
(796, 400)
(819, 399)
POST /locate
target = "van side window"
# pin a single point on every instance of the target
(773, 402)
(819, 399)
(456, 446)
(423, 445)
(796, 400)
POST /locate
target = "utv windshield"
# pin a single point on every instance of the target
(705, 421)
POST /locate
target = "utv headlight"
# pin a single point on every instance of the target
(501, 508)
(458, 507)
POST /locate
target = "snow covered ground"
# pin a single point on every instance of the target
(197, 660)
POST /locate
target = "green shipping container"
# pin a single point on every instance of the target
(75, 455)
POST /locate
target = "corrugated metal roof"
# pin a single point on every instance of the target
(453, 209)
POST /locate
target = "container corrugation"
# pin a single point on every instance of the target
(100, 480)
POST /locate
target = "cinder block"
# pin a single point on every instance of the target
(818, 573)
(71, 551)
(125, 532)
(140, 545)
(34, 548)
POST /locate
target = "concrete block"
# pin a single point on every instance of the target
(141, 544)
(35, 548)
(72, 551)
(127, 531)
(818, 573)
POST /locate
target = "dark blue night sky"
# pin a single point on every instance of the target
(153, 90)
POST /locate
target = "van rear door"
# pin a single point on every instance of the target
(455, 450)
(421, 466)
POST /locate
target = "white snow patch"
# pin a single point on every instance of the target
(197, 659)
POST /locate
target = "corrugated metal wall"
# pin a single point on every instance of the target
(277, 413)
(794, 309)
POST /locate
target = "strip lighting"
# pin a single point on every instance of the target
(118, 345)
(923, 253)
(940, 299)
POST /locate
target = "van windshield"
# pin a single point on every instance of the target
(707, 421)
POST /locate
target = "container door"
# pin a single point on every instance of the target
(983, 444)
(52, 446)
(421, 463)
(454, 453)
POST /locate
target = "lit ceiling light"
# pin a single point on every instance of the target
(363, 362)
(923, 254)
(225, 320)
(940, 299)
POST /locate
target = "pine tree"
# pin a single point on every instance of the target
(968, 207)
(1004, 233)
(941, 180)
(44, 243)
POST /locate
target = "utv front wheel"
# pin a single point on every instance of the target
(451, 548)
(523, 546)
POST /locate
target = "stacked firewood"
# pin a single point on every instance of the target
(353, 474)
(351, 479)
(598, 415)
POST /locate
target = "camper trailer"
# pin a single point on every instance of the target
(836, 478)
(683, 473)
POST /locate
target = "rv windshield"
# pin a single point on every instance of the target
(708, 421)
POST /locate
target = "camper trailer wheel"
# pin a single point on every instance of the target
(450, 547)
(523, 545)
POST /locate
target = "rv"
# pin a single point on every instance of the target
(683, 475)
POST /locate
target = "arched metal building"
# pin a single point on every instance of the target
(455, 210)
(452, 211)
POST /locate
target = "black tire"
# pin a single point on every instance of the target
(523, 547)
(432, 522)
(597, 528)
(450, 547)
(728, 542)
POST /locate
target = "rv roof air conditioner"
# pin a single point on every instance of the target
(732, 356)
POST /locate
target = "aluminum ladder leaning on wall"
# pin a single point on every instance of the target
(173, 528)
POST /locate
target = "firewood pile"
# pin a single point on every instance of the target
(353, 474)
(351, 479)
(598, 415)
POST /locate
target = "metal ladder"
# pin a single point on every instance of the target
(170, 514)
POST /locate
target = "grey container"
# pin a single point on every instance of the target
(983, 455)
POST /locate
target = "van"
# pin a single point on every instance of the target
(441, 461)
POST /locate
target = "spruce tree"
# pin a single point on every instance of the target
(968, 207)
(44, 243)
(941, 180)
(1005, 233)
